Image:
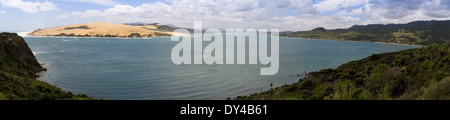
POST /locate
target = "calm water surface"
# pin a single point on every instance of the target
(115, 68)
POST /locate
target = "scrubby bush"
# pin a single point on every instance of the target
(421, 73)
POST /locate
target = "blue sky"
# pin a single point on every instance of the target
(27, 15)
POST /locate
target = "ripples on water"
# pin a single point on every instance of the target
(115, 68)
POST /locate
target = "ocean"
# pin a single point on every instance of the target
(136, 69)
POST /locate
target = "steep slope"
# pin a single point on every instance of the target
(16, 57)
(18, 68)
(410, 74)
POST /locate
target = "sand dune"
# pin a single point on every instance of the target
(102, 29)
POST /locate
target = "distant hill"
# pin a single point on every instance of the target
(18, 72)
(168, 27)
(102, 29)
(136, 24)
(416, 33)
(172, 26)
(414, 74)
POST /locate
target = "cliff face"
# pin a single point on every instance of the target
(16, 57)
(18, 68)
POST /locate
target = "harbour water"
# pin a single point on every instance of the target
(115, 68)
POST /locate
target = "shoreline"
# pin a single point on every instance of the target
(169, 35)
(187, 35)
(40, 73)
(394, 43)
(359, 41)
(94, 37)
(90, 37)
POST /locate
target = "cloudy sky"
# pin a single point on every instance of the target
(293, 15)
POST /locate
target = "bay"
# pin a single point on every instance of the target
(123, 68)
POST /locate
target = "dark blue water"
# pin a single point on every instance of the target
(142, 68)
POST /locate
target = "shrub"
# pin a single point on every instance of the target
(307, 85)
(77, 27)
(397, 88)
(439, 91)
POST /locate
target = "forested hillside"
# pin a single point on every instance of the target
(412, 74)
(415, 33)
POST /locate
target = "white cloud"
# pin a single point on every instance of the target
(223, 14)
(268, 14)
(2, 12)
(98, 2)
(303, 6)
(437, 8)
(62, 16)
(88, 13)
(395, 11)
(332, 5)
(30, 7)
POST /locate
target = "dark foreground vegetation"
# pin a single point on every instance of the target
(414, 33)
(414, 74)
(18, 72)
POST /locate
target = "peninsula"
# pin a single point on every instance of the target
(18, 72)
(103, 29)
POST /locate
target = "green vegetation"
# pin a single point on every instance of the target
(132, 35)
(165, 28)
(162, 34)
(18, 68)
(422, 73)
(415, 33)
(13, 87)
(78, 27)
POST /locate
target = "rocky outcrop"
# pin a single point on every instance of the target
(16, 57)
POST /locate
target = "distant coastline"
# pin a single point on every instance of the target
(102, 29)
(358, 41)
(413, 33)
